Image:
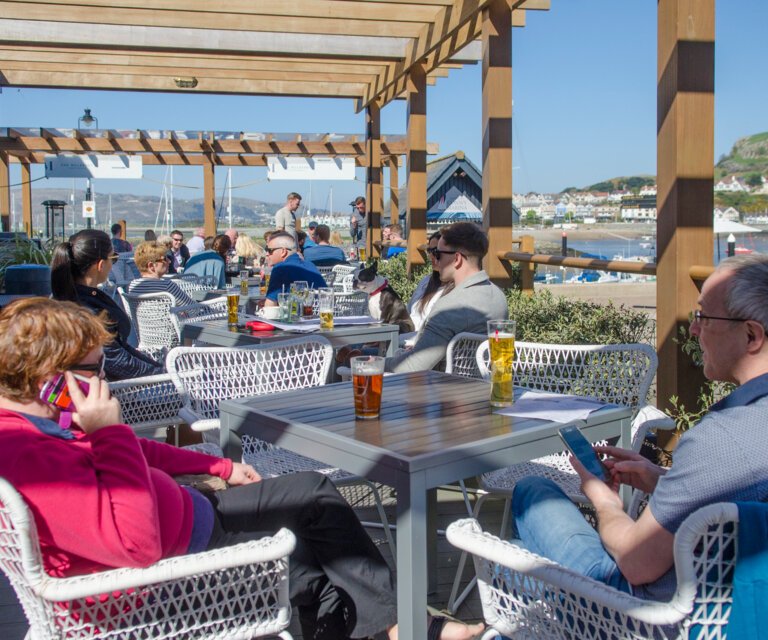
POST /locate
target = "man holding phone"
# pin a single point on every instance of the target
(721, 459)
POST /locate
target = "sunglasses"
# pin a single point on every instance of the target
(177, 239)
(699, 317)
(114, 258)
(96, 367)
(270, 251)
(439, 253)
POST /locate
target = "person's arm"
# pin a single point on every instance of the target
(176, 461)
(642, 549)
(430, 347)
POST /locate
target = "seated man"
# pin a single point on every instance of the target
(395, 238)
(721, 459)
(178, 254)
(287, 267)
(118, 244)
(323, 253)
(153, 262)
(473, 301)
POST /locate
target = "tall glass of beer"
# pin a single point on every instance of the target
(233, 302)
(244, 283)
(325, 307)
(501, 339)
(361, 254)
(367, 382)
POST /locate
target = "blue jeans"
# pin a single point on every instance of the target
(552, 526)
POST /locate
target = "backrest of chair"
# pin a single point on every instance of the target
(197, 313)
(206, 376)
(616, 373)
(151, 317)
(354, 303)
(20, 558)
(461, 354)
(329, 275)
(124, 269)
(345, 278)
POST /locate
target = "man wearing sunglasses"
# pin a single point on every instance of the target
(721, 459)
(473, 301)
(288, 267)
(178, 254)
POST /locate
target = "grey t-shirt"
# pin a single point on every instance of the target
(722, 459)
(286, 219)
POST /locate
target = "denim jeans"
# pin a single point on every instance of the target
(552, 526)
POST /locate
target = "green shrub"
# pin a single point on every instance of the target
(23, 251)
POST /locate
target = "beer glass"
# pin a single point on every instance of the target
(501, 339)
(367, 381)
(244, 283)
(361, 254)
(233, 302)
(325, 307)
(265, 273)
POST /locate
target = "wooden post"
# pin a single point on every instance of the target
(209, 196)
(685, 173)
(26, 197)
(526, 268)
(5, 191)
(416, 215)
(373, 192)
(497, 135)
(124, 229)
(394, 188)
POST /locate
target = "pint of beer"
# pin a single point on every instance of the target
(501, 339)
(233, 302)
(361, 254)
(325, 307)
(244, 283)
(367, 382)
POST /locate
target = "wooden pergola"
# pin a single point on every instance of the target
(375, 51)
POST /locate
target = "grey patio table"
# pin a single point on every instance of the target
(434, 429)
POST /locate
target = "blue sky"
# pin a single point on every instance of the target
(584, 78)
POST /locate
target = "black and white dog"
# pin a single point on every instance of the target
(383, 302)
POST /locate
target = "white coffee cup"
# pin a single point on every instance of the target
(271, 313)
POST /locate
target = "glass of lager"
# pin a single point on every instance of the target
(501, 339)
(325, 307)
(244, 283)
(367, 381)
(233, 302)
(361, 254)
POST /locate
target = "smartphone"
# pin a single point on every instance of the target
(55, 391)
(580, 447)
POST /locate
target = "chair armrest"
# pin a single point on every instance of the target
(266, 549)
(148, 401)
(196, 422)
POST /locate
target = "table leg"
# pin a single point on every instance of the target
(625, 441)
(432, 541)
(412, 559)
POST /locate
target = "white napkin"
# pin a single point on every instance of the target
(552, 406)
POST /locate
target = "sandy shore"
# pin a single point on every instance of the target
(589, 232)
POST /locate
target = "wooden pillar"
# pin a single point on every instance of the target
(5, 191)
(26, 197)
(394, 186)
(124, 229)
(373, 192)
(497, 135)
(685, 161)
(209, 196)
(416, 215)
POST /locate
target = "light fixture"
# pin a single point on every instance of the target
(185, 83)
(87, 119)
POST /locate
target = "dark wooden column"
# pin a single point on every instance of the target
(497, 135)
(685, 168)
(5, 191)
(209, 195)
(417, 164)
(26, 196)
(394, 186)
(373, 192)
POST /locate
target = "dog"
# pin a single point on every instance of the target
(383, 302)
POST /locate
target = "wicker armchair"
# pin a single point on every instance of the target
(344, 280)
(354, 303)
(189, 282)
(526, 596)
(149, 404)
(235, 592)
(150, 314)
(204, 376)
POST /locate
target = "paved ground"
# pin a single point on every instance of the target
(639, 295)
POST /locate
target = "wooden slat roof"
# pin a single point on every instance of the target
(360, 49)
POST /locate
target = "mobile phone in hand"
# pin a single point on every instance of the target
(582, 450)
(56, 393)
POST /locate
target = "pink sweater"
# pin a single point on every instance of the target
(102, 500)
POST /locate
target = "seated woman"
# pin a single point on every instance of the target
(248, 249)
(152, 261)
(103, 498)
(212, 261)
(79, 266)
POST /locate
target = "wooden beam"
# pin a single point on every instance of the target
(373, 191)
(5, 191)
(416, 215)
(685, 176)
(209, 196)
(26, 197)
(497, 136)
(394, 189)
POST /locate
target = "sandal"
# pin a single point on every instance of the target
(436, 624)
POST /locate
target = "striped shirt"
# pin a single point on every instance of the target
(140, 286)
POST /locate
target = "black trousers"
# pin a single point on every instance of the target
(338, 580)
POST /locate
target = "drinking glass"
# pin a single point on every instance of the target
(244, 283)
(501, 339)
(285, 300)
(265, 273)
(233, 302)
(367, 382)
(361, 254)
(325, 307)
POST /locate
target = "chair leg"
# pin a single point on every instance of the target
(456, 598)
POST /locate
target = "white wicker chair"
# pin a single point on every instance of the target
(150, 314)
(234, 592)
(461, 354)
(345, 277)
(619, 374)
(526, 596)
(189, 282)
(204, 376)
(149, 404)
(329, 275)
(354, 303)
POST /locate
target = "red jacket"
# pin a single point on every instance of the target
(102, 500)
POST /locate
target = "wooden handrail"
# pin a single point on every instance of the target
(699, 272)
(623, 266)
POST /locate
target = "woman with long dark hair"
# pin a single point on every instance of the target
(429, 289)
(79, 266)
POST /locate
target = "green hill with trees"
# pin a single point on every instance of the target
(748, 159)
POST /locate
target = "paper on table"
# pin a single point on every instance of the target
(552, 406)
(296, 327)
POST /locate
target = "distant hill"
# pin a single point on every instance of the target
(749, 155)
(616, 184)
